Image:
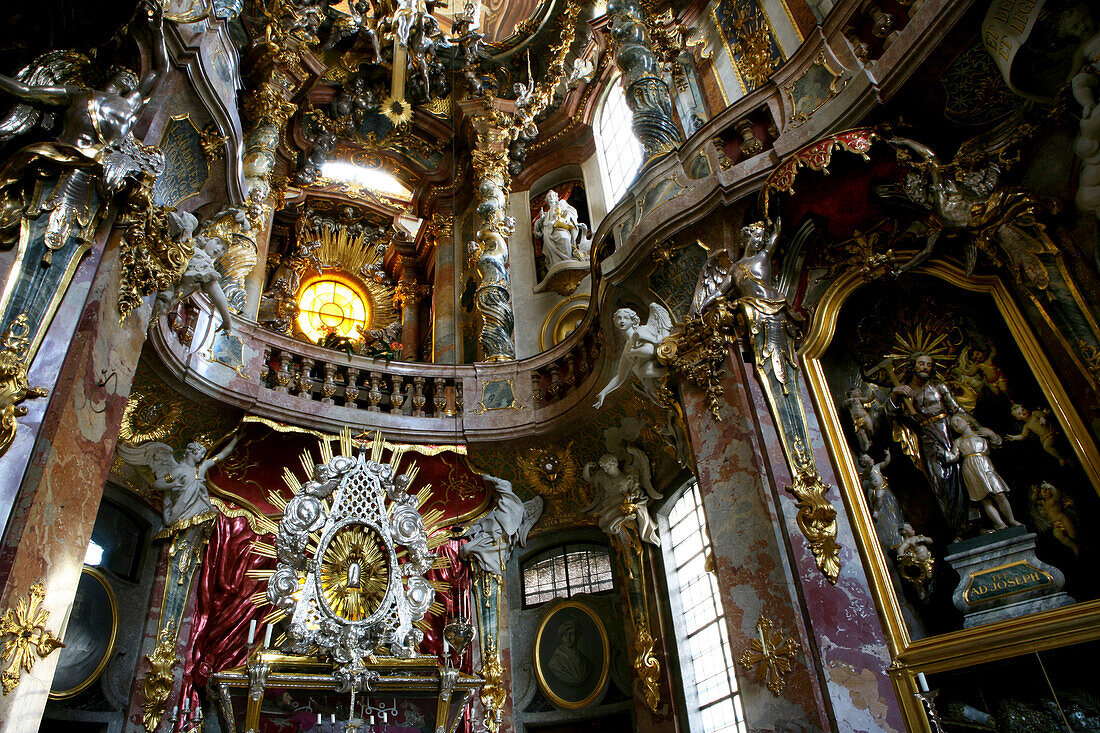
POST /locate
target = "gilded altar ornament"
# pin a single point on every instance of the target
(771, 654)
(14, 387)
(493, 692)
(916, 564)
(646, 664)
(156, 686)
(816, 516)
(25, 637)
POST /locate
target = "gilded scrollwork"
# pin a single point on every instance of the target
(646, 664)
(493, 692)
(153, 253)
(156, 685)
(23, 630)
(14, 387)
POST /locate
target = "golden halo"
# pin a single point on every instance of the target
(397, 111)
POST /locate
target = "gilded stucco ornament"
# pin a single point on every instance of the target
(14, 387)
(771, 654)
(646, 664)
(156, 685)
(25, 636)
(155, 249)
(493, 692)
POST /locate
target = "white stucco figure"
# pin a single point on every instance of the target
(622, 493)
(564, 238)
(490, 539)
(183, 481)
(639, 357)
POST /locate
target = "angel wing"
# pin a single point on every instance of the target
(639, 462)
(660, 321)
(55, 68)
(711, 281)
(532, 510)
(156, 456)
(129, 159)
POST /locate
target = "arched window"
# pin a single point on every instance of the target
(620, 151)
(706, 657)
(565, 571)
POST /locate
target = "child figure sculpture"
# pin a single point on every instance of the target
(983, 484)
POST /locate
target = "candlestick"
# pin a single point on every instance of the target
(922, 682)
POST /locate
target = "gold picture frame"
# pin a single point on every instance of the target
(92, 576)
(549, 671)
(966, 647)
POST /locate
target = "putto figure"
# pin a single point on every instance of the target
(639, 356)
(564, 238)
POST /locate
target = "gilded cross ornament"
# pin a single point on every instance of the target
(25, 636)
(771, 654)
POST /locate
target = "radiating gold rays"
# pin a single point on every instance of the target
(354, 572)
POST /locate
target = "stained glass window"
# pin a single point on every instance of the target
(565, 571)
(331, 306)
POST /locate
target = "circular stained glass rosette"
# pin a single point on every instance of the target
(331, 306)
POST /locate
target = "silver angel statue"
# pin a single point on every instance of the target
(639, 355)
(95, 147)
(183, 481)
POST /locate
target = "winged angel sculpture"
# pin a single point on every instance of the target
(969, 201)
(639, 356)
(183, 481)
(623, 493)
(95, 148)
(491, 538)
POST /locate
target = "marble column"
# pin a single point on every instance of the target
(444, 292)
(407, 297)
(765, 569)
(59, 493)
(646, 91)
(488, 252)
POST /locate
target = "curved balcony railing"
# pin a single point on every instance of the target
(282, 378)
(295, 382)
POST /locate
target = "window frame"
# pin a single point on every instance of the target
(678, 615)
(604, 144)
(549, 553)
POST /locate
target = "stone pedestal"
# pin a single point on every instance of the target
(1001, 578)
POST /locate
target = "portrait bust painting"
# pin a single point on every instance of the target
(571, 655)
(89, 637)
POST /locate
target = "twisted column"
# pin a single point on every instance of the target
(647, 93)
(489, 251)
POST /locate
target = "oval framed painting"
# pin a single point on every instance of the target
(572, 657)
(89, 637)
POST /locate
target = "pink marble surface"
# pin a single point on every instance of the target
(52, 518)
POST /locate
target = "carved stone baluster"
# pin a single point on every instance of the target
(750, 144)
(265, 365)
(571, 375)
(418, 400)
(351, 388)
(374, 395)
(556, 384)
(305, 378)
(536, 389)
(458, 396)
(328, 386)
(283, 376)
(439, 396)
(397, 396)
(883, 25)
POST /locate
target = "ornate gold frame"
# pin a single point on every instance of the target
(186, 116)
(604, 671)
(1048, 630)
(102, 580)
(549, 332)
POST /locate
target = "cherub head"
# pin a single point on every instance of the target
(625, 318)
(1020, 412)
(907, 530)
(610, 464)
(194, 451)
(865, 461)
(213, 246)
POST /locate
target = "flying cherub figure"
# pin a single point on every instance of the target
(1037, 422)
(639, 356)
(1052, 510)
(200, 274)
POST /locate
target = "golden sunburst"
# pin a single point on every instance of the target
(354, 572)
(397, 111)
